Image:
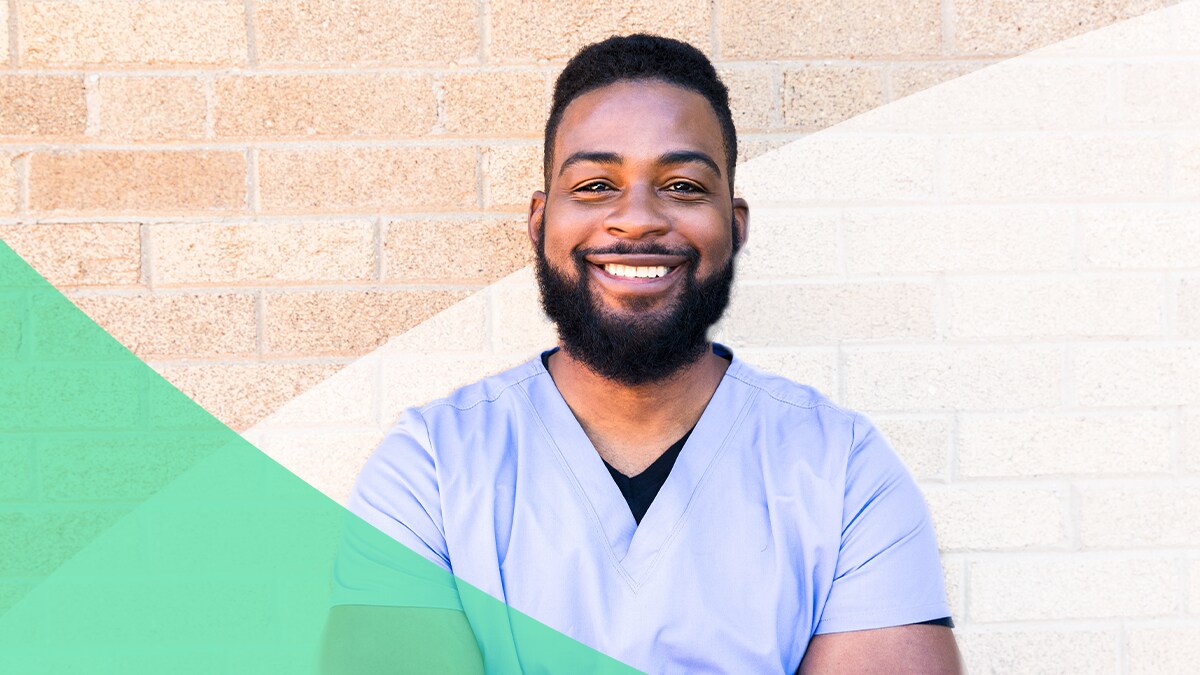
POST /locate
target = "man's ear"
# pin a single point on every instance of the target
(741, 220)
(537, 210)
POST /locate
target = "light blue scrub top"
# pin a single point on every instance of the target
(784, 516)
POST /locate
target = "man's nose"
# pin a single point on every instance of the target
(638, 213)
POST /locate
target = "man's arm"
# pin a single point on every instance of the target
(917, 649)
(366, 640)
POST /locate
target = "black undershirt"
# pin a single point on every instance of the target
(640, 490)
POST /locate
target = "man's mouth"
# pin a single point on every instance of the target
(637, 272)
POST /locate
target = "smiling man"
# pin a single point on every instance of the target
(638, 487)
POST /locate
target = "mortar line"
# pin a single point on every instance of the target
(714, 29)
(250, 7)
(379, 267)
(21, 162)
(14, 35)
(948, 28)
(260, 322)
(92, 103)
(485, 32)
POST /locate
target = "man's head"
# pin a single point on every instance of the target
(637, 229)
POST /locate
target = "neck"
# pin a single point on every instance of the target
(628, 423)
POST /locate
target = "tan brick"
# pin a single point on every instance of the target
(953, 378)
(347, 179)
(512, 173)
(815, 97)
(370, 31)
(753, 97)
(8, 183)
(151, 108)
(216, 253)
(79, 254)
(816, 368)
(908, 79)
(831, 28)
(508, 104)
(42, 105)
(1081, 308)
(346, 323)
(899, 241)
(998, 518)
(1038, 652)
(923, 444)
(1014, 26)
(750, 148)
(242, 395)
(176, 326)
(1137, 376)
(153, 32)
(1069, 168)
(1054, 587)
(529, 30)
(454, 251)
(100, 181)
(377, 104)
(1153, 651)
(790, 244)
(1160, 516)
(1140, 237)
(1041, 445)
(788, 314)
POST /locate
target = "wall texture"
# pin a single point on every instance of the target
(251, 195)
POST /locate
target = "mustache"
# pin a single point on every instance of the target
(631, 248)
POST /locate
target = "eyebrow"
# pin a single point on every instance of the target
(612, 158)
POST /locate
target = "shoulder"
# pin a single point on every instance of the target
(783, 396)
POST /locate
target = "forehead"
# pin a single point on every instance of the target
(639, 119)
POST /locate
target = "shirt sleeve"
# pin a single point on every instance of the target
(393, 549)
(888, 572)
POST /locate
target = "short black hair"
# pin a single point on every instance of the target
(641, 57)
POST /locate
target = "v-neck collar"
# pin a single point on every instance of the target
(635, 548)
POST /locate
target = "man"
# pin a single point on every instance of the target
(639, 488)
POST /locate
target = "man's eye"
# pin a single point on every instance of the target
(684, 186)
(594, 187)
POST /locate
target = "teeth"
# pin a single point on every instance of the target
(637, 272)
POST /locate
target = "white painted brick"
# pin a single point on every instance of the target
(771, 315)
(953, 378)
(1164, 651)
(1077, 308)
(1164, 515)
(1137, 376)
(1038, 652)
(831, 167)
(1142, 237)
(1069, 168)
(1193, 578)
(789, 244)
(1191, 440)
(816, 368)
(1185, 155)
(997, 518)
(1188, 314)
(517, 320)
(923, 443)
(1071, 587)
(899, 241)
(1160, 94)
(954, 576)
(1039, 445)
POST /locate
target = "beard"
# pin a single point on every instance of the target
(647, 345)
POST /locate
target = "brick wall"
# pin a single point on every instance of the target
(252, 195)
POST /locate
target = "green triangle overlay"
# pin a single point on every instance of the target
(139, 534)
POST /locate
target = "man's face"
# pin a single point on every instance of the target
(635, 236)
